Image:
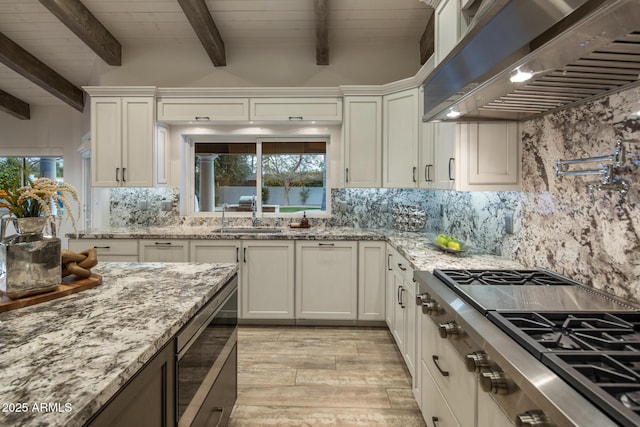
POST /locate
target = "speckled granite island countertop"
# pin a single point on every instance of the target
(416, 247)
(62, 360)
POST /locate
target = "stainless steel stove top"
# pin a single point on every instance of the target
(572, 350)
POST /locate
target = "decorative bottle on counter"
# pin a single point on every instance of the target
(29, 260)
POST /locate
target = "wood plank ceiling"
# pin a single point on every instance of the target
(67, 37)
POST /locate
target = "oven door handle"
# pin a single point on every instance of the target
(435, 362)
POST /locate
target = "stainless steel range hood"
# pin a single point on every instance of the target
(577, 50)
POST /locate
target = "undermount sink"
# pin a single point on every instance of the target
(247, 230)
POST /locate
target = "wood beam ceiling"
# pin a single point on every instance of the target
(201, 20)
(79, 19)
(30, 67)
(14, 106)
(427, 40)
(321, 10)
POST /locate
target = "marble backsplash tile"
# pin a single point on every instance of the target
(556, 226)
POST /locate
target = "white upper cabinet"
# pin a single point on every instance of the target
(400, 139)
(122, 134)
(481, 156)
(362, 132)
(296, 109)
(203, 109)
(447, 28)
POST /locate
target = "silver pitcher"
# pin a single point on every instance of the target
(29, 260)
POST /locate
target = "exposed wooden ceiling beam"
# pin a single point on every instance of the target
(321, 9)
(14, 106)
(78, 19)
(30, 67)
(427, 40)
(200, 18)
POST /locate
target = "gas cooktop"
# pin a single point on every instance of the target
(589, 338)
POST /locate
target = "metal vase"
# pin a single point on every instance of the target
(29, 260)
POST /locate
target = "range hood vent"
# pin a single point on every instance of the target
(594, 49)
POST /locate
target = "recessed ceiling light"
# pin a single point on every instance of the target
(452, 114)
(520, 76)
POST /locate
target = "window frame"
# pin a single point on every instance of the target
(187, 184)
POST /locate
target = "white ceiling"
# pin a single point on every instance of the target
(140, 22)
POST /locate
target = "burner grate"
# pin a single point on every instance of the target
(501, 277)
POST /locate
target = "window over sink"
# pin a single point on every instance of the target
(275, 176)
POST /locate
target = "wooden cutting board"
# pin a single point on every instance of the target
(69, 285)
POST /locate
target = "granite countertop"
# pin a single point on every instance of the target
(73, 354)
(416, 247)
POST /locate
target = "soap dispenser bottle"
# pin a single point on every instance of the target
(304, 223)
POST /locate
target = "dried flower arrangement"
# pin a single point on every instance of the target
(38, 197)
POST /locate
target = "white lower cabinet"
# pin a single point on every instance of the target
(490, 414)
(457, 385)
(164, 250)
(108, 250)
(435, 410)
(371, 280)
(267, 279)
(326, 280)
(226, 251)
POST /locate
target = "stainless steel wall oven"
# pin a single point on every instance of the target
(206, 363)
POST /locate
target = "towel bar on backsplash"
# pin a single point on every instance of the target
(609, 170)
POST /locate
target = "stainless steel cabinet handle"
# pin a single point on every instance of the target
(202, 118)
(427, 173)
(163, 243)
(435, 362)
(434, 421)
(413, 174)
(123, 175)
(347, 175)
(102, 247)
(244, 255)
(295, 117)
(237, 254)
(402, 291)
(402, 267)
(117, 174)
(398, 294)
(326, 244)
(451, 161)
(388, 259)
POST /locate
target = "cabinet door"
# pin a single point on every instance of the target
(390, 298)
(161, 155)
(446, 28)
(445, 140)
(435, 410)
(125, 250)
(168, 250)
(203, 109)
(409, 299)
(426, 171)
(296, 109)
(326, 280)
(106, 141)
(400, 139)
(490, 414)
(226, 251)
(267, 288)
(363, 141)
(148, 400)
(371, 280)
(137, 141)
(489, 152)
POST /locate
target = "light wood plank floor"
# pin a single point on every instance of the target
(329, 376)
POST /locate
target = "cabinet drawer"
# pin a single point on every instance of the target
(168, 250)
(435, 410)
(202, 109)
(296, 109)
(106, 247)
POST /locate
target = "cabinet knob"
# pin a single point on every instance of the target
(449, 329)
(533, 418)
(495, 382)
(477, 361)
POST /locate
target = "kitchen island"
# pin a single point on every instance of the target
(62, 360)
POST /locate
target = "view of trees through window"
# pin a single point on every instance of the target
(290, 176)
(18, 170)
